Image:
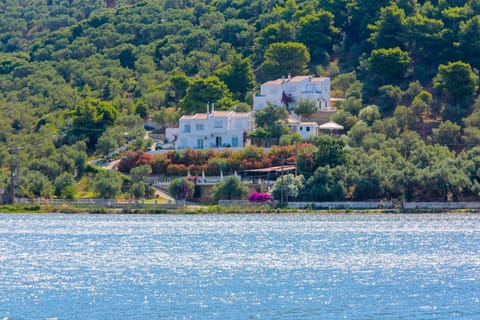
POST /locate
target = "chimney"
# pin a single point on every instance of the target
(289, 76)
(213, 108)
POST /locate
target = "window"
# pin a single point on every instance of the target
(301, 128)
(218, 124)
(199, 143)
(307, 128)
(234, 141)
(199, 127)
(186, 128)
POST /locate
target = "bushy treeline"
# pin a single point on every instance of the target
(84, 70)
(25, 20)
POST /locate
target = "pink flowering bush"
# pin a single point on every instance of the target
(259, 197)
(193, 179)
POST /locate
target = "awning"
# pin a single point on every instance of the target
(330, 125)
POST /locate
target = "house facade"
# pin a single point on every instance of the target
(214, 129)
(305, 129)
(288, 91)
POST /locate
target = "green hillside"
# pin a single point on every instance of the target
(76, 77)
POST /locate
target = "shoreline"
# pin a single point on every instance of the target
(216, 209)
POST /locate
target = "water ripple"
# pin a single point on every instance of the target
(239, 266)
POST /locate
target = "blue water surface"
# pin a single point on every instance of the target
(239, 266)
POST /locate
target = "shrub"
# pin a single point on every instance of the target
(259, 197)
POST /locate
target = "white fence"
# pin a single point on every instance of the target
(315, 205)
(365, 205)
(442, 205)
(159, 180)
(341, 205)
(92, 202)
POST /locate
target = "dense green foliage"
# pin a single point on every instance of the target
(108, 184)
(181, 188)
(230, 188)
(77, 76)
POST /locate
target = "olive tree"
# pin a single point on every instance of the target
(230, 188)
(305, 107)
(287, 187)
(107, 184)
(181, 188)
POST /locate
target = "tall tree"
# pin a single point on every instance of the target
(238, 76)
(203, 91)
(318, 33)
(237, 32)
(361, 13)
(387, 30)
(457, 82)
(283, 58)
(179, 85)
(388, 66)
(276, 32)
(469, 40)
(428, 42)
(90, 119)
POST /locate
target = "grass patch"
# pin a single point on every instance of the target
(85, 187)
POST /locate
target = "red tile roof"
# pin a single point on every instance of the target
(294, 79)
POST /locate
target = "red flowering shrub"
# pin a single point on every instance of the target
(177, 170)
(145, 158)
(128, 161)
(179, 162)
(193, 179)
(276, 154)
(196, 169)
(160, 164)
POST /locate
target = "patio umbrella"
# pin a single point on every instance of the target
(330, 125)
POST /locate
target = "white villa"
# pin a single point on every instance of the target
(214, 129)
(294, 89)
(305, 129)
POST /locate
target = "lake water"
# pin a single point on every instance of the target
(239, 267)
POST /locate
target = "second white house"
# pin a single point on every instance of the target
(293, 89)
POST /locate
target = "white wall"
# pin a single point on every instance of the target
(317, 90)
(220, 129)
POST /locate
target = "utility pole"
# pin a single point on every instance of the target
(281, 189)
(14, 162)
(296, 158)
(62, 164)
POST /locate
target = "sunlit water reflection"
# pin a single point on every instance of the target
(239, 266)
